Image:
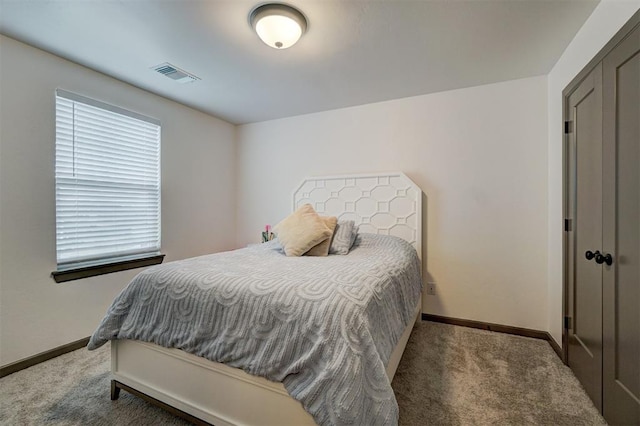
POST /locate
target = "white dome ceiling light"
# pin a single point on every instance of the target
(278, 25)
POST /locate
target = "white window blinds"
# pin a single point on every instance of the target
(107, 182)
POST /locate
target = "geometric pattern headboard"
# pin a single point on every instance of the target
(381, 203)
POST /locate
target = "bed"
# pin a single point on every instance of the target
(387, 204)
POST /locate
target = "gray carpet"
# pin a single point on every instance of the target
(448, 376)
(453, 375)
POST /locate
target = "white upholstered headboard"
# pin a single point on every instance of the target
(381, 203)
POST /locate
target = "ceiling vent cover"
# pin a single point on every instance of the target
(175, 73)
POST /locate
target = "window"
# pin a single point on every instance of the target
(107, 187)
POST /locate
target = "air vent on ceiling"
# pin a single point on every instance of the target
(175, 73)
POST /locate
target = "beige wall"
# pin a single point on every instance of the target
(479, 155)
(198, 196)
(605, 21)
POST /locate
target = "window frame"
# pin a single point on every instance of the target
(108, 264)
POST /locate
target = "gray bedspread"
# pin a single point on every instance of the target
(323, 326)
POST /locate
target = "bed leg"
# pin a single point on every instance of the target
(115, 390)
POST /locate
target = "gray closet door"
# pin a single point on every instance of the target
(621, 232)
(585, 290)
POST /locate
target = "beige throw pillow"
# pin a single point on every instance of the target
(301, 230)
(322, 249)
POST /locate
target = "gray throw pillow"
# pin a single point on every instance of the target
(343, 237)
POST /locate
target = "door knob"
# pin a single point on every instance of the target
(590, 255)
(600, 259)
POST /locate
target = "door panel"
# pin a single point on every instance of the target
(621, 232)
(585, 295)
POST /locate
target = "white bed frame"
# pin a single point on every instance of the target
(209, 392)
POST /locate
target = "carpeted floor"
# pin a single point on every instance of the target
(452, 375)
(448, 375)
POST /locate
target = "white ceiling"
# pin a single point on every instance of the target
(354, 52)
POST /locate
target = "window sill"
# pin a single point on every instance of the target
(107, 268)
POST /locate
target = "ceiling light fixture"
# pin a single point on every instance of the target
(278, 25)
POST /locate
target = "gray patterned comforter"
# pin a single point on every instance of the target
(323, 326)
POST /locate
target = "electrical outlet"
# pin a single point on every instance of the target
(431, 289)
